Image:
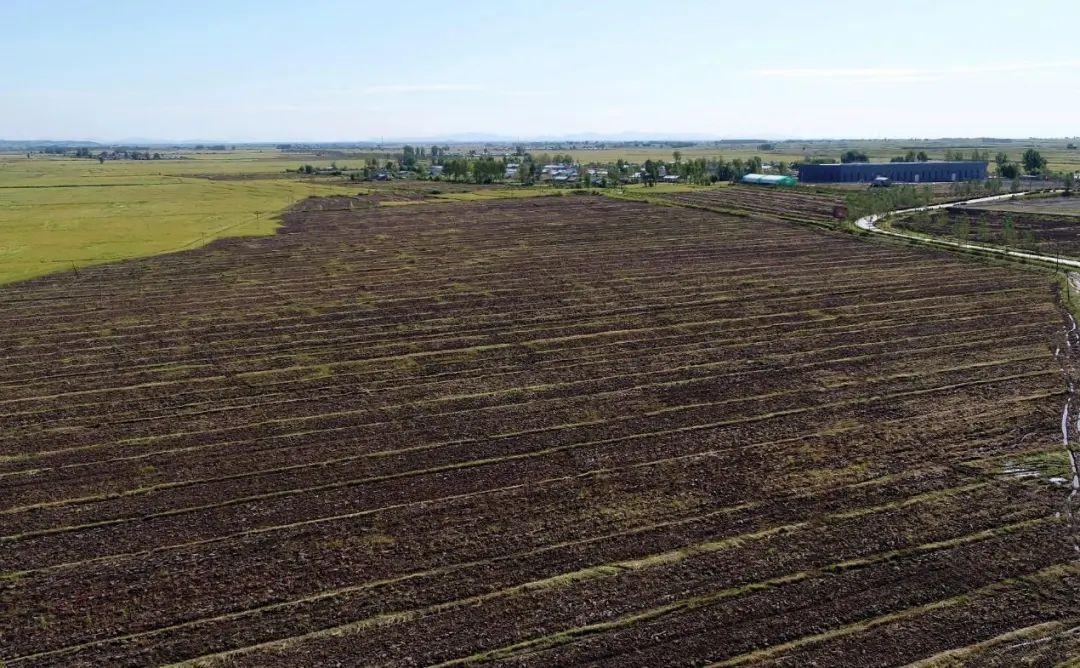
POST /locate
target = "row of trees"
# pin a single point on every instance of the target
(102, 156)
(482, 170)
(879, 200)
(959, 227)
(438, 155)
(912, 156)
(529, 167)
(923, 156)
(1009, 235)
(1032, 162)
(136, 155)
(977, 155)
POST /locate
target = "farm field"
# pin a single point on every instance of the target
(1042, 225)
(1060, 206)
(58, 214)
(16, 169)
(815, 203)
(548, 431)
(755, 200)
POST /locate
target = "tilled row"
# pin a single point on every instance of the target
(154, 352)
(796, 204)
(879, 613)
(763, 346)
(739, 593)
(783, 319)
(101, 474)
(320, 559)
(736, 555)
(758, 417)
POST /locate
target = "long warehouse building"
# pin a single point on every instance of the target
(904, 172)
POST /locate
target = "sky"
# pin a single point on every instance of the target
(353, 71)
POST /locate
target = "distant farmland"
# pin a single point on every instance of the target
(548, 431)
(56, 214)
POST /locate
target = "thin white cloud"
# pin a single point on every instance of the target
(910, 75)
(422, 88)
(528, 93)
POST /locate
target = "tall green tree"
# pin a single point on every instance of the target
(1008, 230)
(961, 228)
(1033, 161)
(854, 156)
(1009, 170)
(652, 172)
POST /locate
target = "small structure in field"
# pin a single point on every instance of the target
(769, 180)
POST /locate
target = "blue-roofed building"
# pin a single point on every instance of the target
(901, 172)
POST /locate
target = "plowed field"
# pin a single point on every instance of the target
(546, 431)
(762, 201)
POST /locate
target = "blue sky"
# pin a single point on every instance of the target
(310, 71)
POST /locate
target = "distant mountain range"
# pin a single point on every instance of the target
(11, 145)
(15, 144)
(457, 138)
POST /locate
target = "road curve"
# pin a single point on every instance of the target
(869, 223)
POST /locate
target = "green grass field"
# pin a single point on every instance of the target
(56, 214)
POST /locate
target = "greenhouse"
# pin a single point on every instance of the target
(769, 180)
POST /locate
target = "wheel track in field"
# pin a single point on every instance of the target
(1070, 429)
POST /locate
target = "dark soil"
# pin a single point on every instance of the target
(560, 430)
